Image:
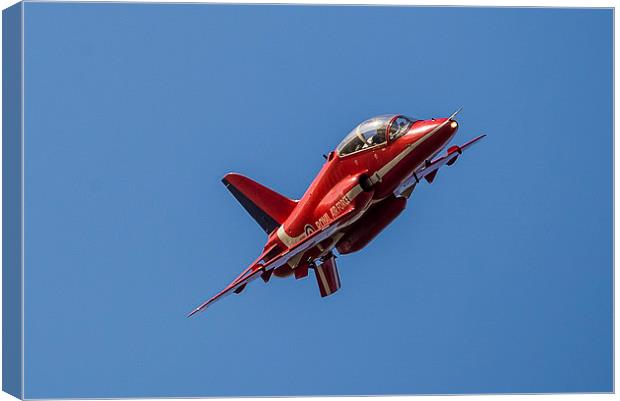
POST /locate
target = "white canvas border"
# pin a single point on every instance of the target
(483, 3)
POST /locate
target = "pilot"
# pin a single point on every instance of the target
(353, 146)
(378, 137)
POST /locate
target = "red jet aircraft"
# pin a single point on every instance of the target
(363, 186)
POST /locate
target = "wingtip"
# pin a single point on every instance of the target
(192, 313)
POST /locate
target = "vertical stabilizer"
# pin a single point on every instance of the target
(266, 206)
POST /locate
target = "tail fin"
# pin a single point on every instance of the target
(267, 207)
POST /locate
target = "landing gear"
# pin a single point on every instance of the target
(327, 276)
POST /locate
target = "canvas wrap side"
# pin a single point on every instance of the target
(12, 200)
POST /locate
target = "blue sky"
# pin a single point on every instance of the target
(497, 278)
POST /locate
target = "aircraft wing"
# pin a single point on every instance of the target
(237, 285)
(257, 268)
(430, 168)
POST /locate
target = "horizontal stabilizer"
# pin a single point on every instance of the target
(267, 207)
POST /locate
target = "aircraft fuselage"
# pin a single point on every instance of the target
(362, 183)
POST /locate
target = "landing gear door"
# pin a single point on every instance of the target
(327, 276)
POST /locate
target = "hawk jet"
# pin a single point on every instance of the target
(362, 187)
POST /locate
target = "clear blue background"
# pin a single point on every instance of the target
(497, 278)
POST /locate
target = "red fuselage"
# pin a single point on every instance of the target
(360, 184)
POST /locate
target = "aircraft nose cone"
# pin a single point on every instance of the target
(446, 128)
(447, 124)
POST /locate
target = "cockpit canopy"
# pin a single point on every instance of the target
(372, 133)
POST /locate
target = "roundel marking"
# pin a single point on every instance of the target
(308, 229)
